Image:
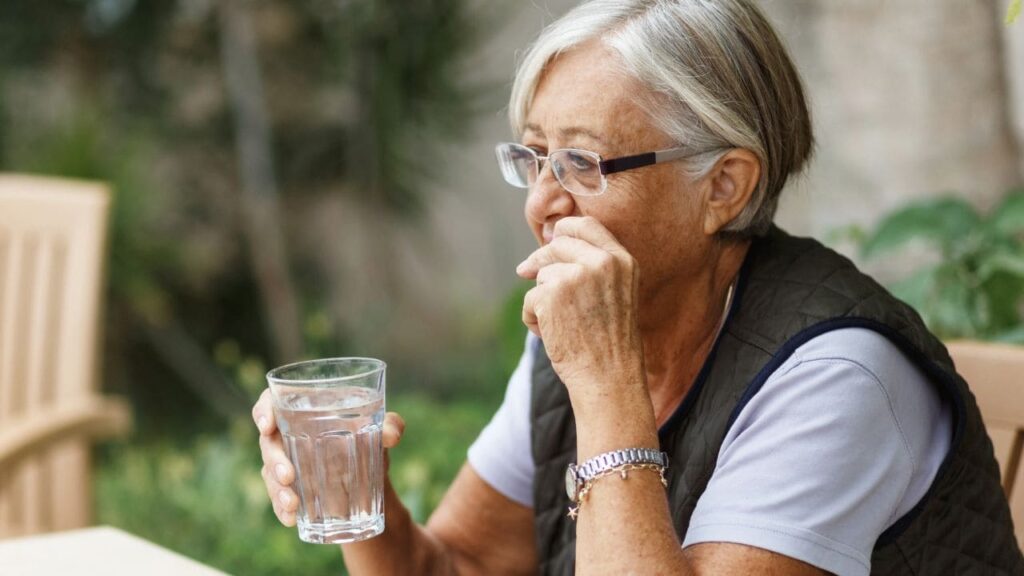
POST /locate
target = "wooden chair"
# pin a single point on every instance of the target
(995, 373)
(51, 265)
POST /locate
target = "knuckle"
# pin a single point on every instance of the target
(530, 296)
(629, 263)
(579, 273)
(288, 470)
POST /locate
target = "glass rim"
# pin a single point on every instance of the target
(379, 366)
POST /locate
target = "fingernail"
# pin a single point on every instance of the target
(284, 497)
(521, 266)
(280, 470)
(261, 423)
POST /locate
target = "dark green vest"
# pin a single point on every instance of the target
(789, 291)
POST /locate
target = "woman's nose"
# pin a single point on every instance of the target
(547, 198)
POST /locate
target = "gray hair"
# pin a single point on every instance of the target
(718, 78)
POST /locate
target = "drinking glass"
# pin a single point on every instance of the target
(330, 413)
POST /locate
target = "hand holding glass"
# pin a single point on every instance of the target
(330, 413)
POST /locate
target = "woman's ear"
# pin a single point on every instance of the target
(732, 183)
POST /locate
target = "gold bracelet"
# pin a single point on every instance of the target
(623, 471)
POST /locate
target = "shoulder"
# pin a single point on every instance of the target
(851, 362)
(842, 439)
(861, 346)
(844, 388)
(857, 380)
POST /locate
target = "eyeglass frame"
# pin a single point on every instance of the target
(605, 167)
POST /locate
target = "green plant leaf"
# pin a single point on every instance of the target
(1008, 218)
(1013, 12)
(944, 223)
(916, 290)
(1002, 293)
(954, 312)
(1002, 261)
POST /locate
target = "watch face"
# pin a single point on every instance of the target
(570, 482)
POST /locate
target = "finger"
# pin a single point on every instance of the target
(394, 427)
(559, 250)
(263, 414)
(287, 518)
(276, 460)
(283, 500)
(287, 501)
(590, 230)
(530, 311)
(558, 272)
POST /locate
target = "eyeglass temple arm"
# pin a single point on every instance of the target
(640, 160)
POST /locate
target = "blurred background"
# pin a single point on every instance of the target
(316, 178)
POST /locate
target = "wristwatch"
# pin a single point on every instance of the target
(577, 476)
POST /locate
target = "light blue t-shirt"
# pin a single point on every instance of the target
(842, 440)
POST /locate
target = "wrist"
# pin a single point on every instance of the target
(604, 390)
(619, 421)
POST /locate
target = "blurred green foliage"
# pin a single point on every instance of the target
(204, 498)
(975, 289)
(359, 98)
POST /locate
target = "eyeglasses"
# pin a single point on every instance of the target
(581, 172)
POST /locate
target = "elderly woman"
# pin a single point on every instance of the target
(700, 392)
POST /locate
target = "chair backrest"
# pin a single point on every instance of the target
(52, 235)
(995, 373)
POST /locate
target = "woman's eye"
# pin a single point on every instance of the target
(580, 162)
(520, 153)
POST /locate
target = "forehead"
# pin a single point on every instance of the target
(583, 91)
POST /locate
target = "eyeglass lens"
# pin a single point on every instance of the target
(578, 171)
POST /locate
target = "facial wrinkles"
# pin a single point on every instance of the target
(578, 91)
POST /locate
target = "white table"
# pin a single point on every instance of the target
(94, 551)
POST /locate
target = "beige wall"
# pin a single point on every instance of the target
(909, 101)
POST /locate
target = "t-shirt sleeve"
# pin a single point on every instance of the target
(842, 440)
(501, 454)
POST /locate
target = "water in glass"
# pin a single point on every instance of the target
(333, 438)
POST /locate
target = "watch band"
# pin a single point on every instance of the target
(610, 460)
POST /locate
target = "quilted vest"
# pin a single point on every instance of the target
(789, 291)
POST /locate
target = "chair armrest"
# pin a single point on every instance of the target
(94, 417)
